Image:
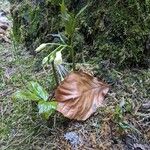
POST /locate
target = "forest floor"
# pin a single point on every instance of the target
(21, 128)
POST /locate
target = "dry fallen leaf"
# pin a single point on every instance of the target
(79, 95)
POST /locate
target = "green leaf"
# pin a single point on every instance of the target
(70, 25)
(68, 20)
(34, 92)
(46, 108)
(64, 11)
(38, 90)
(63, 7)
(26, 95)
(81, 11)
(45, 60)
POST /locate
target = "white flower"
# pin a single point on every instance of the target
(41, 47)
(58, 58)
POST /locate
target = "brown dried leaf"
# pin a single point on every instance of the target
(79, 95)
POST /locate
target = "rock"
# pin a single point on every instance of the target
(141, 147)
(2, 31)
(4, 27)
(9, 72)
(145, 107)
(72, 138)
(3, 19)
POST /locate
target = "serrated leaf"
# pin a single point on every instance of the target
(46, 108)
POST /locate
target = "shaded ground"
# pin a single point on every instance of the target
(23, 129)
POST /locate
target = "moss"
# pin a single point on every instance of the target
(111, 30)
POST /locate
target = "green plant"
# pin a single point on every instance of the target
(115, 30)
(119, 116)
(51, 58)
(69, 22)
(36, 93)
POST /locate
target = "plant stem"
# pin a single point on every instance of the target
(55, 74)
(73, 59)
(72, 54)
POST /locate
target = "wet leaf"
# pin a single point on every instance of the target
(79, 95)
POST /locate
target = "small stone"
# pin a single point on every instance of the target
(72, 138)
